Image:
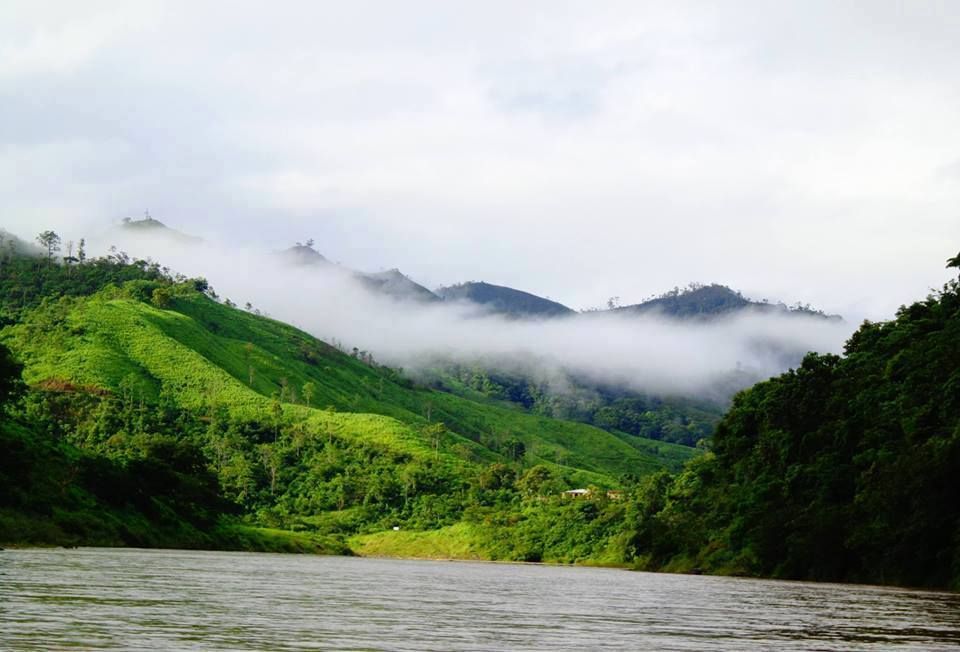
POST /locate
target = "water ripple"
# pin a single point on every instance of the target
(109, 599)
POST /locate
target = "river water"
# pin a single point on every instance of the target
(91, 599)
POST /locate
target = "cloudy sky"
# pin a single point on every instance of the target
(797, 151)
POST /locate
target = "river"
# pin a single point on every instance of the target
(113, 599)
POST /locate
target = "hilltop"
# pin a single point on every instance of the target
(391, 283)
(397, 285)
(156, 228)
(698, 301)
(304, 255)
(503, 300)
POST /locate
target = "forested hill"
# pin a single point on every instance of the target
(503, 300)
(707, 301)
(847, 468)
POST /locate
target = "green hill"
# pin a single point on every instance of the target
(297, 434)
(203, 352)
(709, 301)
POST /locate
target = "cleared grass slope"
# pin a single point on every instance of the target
(203, 354)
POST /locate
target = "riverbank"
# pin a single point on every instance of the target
(108, 529)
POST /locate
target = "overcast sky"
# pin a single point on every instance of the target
(796, 151)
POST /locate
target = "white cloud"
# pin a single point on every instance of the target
(796, 151)
(646, 354)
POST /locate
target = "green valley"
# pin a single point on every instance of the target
(127, 366)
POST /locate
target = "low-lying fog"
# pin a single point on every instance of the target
(645, 353)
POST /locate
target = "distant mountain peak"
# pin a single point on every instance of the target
(145, 223)
(154, 226)
(504, 300)
(396, 284)
(304, 254)
(699, 301)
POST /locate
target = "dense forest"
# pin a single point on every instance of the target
(138, 409)
(678, 419)
(846, 468)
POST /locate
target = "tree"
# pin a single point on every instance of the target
(272, 459)
(434, 433)
(69, 259)
(514, 449)
(535, 480)
(309, 391)
(277, 413)
(49, 241)
(954, 262)
(161, 298)
(10, 383)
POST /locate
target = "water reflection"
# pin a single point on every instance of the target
(122, 599)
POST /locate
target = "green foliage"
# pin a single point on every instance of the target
(677, 420)
(50, 241)
(155, 413)
(26, 281)
(10, 376)
(843, 469)
(954, 261)
(698, 301)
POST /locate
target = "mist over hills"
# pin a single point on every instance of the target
(11, 243)
(696, 301)
(394, 283)
(704, 341)
(303, 254)
(155, 228)
(664, 368)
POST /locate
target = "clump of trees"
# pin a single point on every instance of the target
(846, 468)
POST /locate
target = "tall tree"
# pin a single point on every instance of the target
(49, 241)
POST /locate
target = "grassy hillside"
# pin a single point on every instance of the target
(150, 372)
(157, 415)
(204, 353)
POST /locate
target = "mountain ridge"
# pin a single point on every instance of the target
(503, 300)
(697, 301)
